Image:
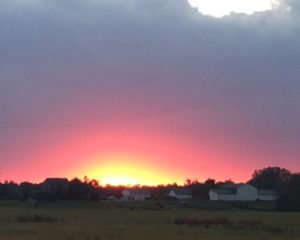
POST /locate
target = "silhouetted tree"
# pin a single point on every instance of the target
(76, 190)
(210, 183)
(188, 182)
(88, 190)
(290, 197)
(271, 178)
(9, 190)
(27, 190)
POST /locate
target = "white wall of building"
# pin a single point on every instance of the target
(247, 193)
(228, 197)
(213, 196)
(244, 192)
(128, 195)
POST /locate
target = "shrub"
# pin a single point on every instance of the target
(202, 222)
(36, 218)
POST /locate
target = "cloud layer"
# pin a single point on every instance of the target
(226, 90)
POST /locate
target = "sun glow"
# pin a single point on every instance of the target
(119, 181)
(125, 170)
(128, 176)
(220, 8)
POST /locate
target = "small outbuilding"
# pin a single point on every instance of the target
(181, 193)
(135, 194)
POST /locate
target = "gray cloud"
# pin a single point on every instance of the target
(67, 65)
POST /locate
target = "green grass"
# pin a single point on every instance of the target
(138, 221)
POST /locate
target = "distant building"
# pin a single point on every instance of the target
(180, 193)
(267, 195)
(241, 192)
(112, 198)
(54, 185)
(32, 202)
(135, 194)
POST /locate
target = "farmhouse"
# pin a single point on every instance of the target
(135, 194)
(180, 193)
(241, 192)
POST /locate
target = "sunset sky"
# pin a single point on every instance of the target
(149, 92)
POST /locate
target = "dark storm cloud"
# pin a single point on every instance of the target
(87, 64)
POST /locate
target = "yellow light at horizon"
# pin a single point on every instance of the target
(119, 181)
(124, 170)
(221, 8)
(129, 176)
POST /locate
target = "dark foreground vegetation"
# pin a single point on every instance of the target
(227, 223)
(142, 220)
(285, 183)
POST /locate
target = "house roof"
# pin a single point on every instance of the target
(182, 191)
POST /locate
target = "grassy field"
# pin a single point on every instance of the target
(141, 221)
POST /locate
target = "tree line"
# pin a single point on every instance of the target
(285, 183)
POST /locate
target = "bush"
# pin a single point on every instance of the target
(202, 222)
(37, 218)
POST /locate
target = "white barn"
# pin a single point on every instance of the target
(135, 194)
(180, 193)
(241, 192)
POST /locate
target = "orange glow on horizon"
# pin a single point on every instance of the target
(140, 157)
